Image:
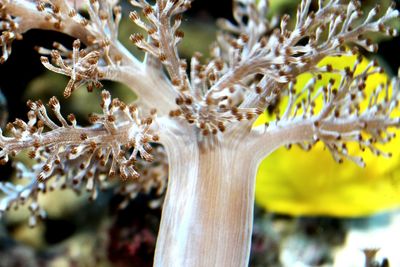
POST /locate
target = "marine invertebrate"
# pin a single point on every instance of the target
(204, 109)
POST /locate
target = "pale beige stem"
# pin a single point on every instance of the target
(208, 211)
(150, 85)
(264, 141)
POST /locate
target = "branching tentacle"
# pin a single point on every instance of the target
(69, 155)
(347, 115)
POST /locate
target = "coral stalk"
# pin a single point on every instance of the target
(208, 211)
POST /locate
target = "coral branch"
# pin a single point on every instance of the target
(280, 57)
(164, 20)
(252, 66)
(79, 154)
(346, 116)
(60, 16)
(82, 67)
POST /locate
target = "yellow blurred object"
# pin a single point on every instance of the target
(311, 183)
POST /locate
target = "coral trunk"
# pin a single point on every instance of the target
(208, 211)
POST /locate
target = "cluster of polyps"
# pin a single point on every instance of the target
(8, 29)
(82, 67)
(344, 101)
(70, 156)
(253, 66)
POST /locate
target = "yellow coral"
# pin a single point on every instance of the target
(311, 183)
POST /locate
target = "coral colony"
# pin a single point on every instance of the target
(201, 111)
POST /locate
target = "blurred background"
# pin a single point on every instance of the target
(310, 211)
